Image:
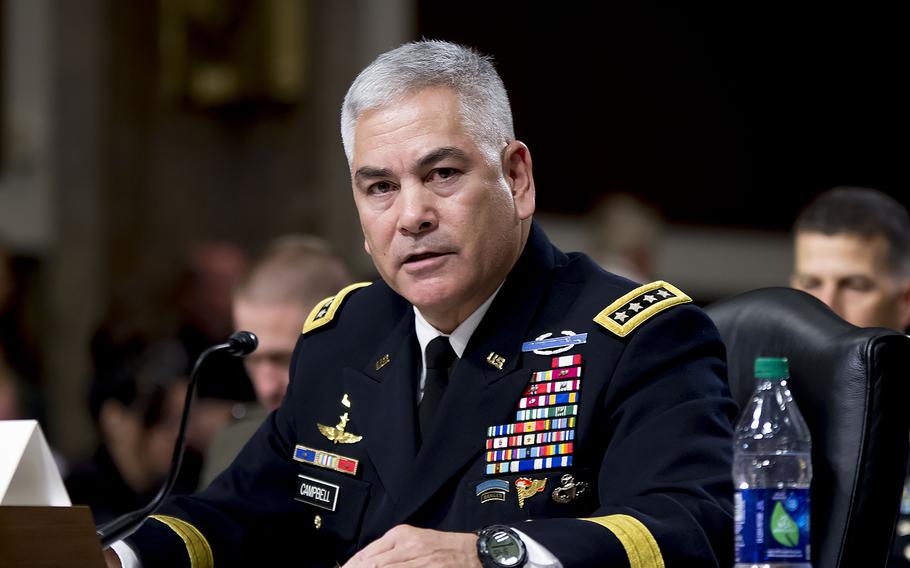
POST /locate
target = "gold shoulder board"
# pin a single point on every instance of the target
(633, 309)
(324, 311)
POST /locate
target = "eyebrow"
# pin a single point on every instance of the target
(440, 154)
(437, 155)
(369, 172)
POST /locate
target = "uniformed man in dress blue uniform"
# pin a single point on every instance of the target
(491, 401)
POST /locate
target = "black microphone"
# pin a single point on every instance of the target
(240, 344)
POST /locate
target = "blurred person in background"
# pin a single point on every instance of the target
(626, 232)
(19, 375)
(852, 252)
(211, 272)
(9, 404)
(136, 400)
(292, 275)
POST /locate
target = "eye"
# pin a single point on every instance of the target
(858, 284)
(805, 282)
(380, 188)
(442, 174)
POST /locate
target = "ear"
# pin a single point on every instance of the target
(366, 246)
(518, 173)
(903, 306)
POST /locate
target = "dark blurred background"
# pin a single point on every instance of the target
(134, 131)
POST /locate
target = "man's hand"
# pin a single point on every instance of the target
(111, 559)
(406, 546)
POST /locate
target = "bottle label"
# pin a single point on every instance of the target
(771, 525)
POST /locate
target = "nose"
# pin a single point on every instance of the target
(829, 295)
(418, 210)
(270, 384)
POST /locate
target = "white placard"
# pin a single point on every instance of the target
(28, 473)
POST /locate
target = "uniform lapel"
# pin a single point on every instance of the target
(480, 394)
(385, 391)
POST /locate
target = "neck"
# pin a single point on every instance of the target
(446, 320)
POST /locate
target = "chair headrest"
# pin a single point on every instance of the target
(771, 322)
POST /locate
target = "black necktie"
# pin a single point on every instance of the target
(440, 357)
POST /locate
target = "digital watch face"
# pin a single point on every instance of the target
(504, 549)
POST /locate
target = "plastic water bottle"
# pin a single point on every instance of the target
(772, 470)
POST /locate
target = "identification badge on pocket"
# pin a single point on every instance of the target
(317, 493)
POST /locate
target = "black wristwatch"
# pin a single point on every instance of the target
(498, 546)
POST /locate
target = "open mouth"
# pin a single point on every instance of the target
(423, 256)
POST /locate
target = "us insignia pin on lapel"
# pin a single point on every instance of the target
(337, 433)
(527, 488)
(383, 361)
(496, 360)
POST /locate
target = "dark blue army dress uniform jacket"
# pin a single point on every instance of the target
(589, 414)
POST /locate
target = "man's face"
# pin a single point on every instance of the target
(278, 327)
(441, 214)
(852, 276)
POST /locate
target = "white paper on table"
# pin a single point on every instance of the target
(28, 473)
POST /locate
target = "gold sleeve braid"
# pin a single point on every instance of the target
(197, 547)
(636, 539)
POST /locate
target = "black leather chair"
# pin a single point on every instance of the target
(851, 385)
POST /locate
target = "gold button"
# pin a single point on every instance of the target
(317, 522)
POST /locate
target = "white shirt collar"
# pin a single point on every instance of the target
(458, 338)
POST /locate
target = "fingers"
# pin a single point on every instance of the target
(111, 559)
(406, 546)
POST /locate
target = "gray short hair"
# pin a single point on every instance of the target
(415, 66)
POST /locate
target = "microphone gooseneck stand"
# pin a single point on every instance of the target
(240, 344)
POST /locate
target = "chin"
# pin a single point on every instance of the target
(429, 295)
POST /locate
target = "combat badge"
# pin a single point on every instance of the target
(546, 344)
(527, 488)
(337, 433)
(569, 490)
